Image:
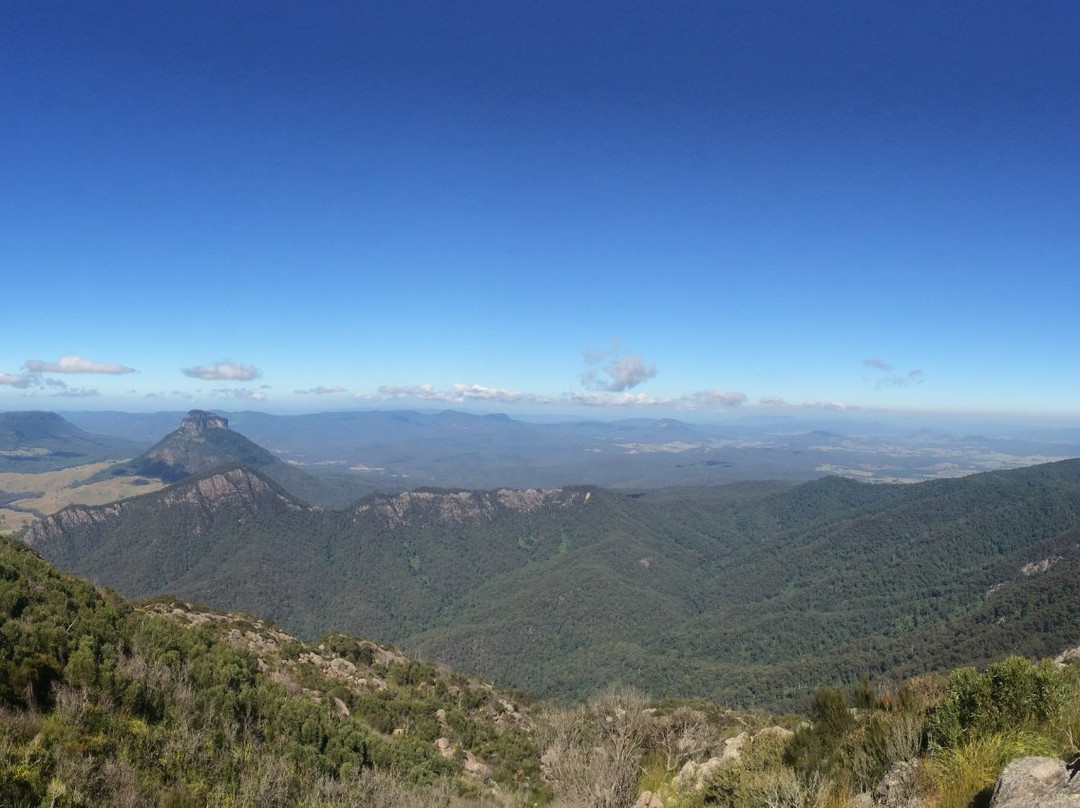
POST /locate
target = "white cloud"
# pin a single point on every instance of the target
(835, 406)
(457, 394)
(75, 364)
(772, 401)
(615, 399)
(623, 372)
(389, 392)
(77, 392)
(242, 393)
(715, 399)
(477, 392)
(22, 381)
(628, 372)
(318, 391)
(224, 370)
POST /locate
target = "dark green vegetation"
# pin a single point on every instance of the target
(751, 594)
(103, 703)
(32, 442)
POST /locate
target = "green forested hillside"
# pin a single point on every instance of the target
(165, 704)
(104, 702)
(748, 594)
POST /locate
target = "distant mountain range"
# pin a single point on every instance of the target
(368, 451)
(753, 593)
(33, 442)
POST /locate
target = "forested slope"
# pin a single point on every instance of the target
(748, 594)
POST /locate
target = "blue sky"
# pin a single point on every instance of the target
(708, 208)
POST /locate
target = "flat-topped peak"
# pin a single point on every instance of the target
(198, 421)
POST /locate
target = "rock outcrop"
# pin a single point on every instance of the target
(1037, 782)
(459, 507)
(197, 422)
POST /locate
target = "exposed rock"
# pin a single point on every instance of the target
(693, 775)
(477, 768)
(70, 518)
(237, 483)
(648, 800)
(899, 788)
(1035, 567)
(198, 421)
(1036, 782)
(457, 507)
(444, 747)
(1072, 655)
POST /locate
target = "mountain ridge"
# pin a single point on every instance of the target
(752, 589)
(37, 441)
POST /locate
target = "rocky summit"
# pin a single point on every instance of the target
(198, 422)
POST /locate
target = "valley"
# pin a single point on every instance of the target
(27, 497)
(764, 596)
(751, 594)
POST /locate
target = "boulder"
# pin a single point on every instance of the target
(1037, 782)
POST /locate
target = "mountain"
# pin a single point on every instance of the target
(32, 442)
(202, 442)
(747, 594)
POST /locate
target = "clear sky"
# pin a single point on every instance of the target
(615, 208)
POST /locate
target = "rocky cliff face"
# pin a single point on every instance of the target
(74, 517)
(457, 507)
(237, 486)
(198, 422)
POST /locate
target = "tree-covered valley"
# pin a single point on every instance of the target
(745, 644)
(751, 594)
(166, 703)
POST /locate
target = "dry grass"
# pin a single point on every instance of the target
(52, 491)
(16, 483)
(10, 521)
(98, 493)
(964, 776)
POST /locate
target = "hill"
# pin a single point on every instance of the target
(193, 706)
(33, 442)
(751, 594)
(203, 441)
(166, 703)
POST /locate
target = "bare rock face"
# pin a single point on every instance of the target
(1072, 655)
(694, 775)
(199, 421)
(1036, 782)
(458, 507)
